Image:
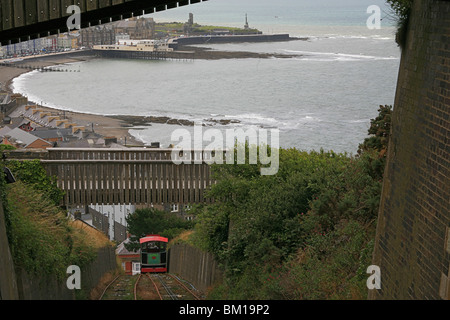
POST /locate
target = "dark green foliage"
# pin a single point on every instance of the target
(33, 174)
(152, 221)
(40, 236)
(402, 11)
(4, 147)
(304, 233)
(379, 130)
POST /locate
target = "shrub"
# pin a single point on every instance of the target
(402, 11)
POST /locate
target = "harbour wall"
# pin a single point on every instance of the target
(231, 39)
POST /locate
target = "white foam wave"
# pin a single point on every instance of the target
(358, 37)
(358, 121)
(252, 118)
(333, 56)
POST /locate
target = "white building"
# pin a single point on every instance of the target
(115, 213)
(136, 45)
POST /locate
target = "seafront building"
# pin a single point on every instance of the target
(52, 127)
(134, 45)
(112, 33)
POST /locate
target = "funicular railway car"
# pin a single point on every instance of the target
(153, 254)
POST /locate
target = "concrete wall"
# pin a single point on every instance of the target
(196, 266)
(412, 243)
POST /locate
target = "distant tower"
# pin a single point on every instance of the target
(246, 22)
(191, 19)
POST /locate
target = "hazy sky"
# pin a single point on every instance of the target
(263, 11)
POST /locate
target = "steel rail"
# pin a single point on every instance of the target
(156, 287)
(135, 286)
(104, 291)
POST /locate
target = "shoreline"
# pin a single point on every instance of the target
(118, 125)
(104, 125)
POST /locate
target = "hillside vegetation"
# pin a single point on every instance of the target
(43, 241)
(304, 233)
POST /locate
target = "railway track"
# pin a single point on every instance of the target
(118, 289)
(166, 287)
(149, 287)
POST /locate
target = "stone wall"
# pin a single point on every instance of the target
(412, 245)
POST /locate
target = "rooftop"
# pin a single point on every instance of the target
(23, 137)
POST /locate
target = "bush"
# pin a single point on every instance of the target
(402, 11)
(33, 174)
(152, 221)
(304, 233)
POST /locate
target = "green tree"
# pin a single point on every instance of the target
(310, 226)
(33, 174)
(379, 130)
(152, 221)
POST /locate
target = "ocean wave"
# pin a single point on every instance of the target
(358, 121)
(333, 56)
(253, 118)
(357, 37)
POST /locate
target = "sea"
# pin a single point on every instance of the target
(323, 98)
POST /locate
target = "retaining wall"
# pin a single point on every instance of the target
(33, 287)
(8, 284)
(17, 284)
(412, 245)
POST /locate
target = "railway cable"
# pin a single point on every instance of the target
(184, 286)
(172, 295)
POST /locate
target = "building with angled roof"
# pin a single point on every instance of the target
(22, 139)
(131, 260)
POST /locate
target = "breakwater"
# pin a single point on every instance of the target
(232, 39)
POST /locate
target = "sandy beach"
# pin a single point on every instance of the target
(106, 126)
